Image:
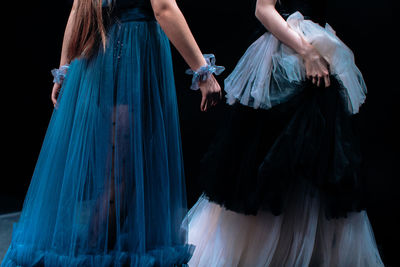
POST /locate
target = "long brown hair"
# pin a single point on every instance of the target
(88, 29)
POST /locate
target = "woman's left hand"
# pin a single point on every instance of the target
(317, 68)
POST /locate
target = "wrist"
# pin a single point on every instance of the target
(305, 48)
(203, 73)
(59, 74)
(201, 63)
(205, 81)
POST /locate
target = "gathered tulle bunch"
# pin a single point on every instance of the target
(268, 81)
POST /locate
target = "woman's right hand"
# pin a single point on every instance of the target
(54, 94)
(317, 68)
(211, 93)
(172, 21)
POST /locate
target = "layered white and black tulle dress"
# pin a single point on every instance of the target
(281, 180)
(108, 187)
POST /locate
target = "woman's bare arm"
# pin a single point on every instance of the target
(316, 66)
(273, 21)
(172, 21)
(64, 52)
(175, 27)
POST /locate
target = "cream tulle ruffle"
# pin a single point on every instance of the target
(265, 75)
(300, 237)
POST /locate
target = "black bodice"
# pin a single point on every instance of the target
(311, 9)
(130, 10)
(123, 4)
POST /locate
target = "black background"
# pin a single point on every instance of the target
(32, 37)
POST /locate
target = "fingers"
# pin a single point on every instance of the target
(54, 98)
(327, 81)
(314, 79)
(317, 70)
(215, 98)
(203, 103)
(211, 94)
(318, 81)
(54, 94)
(211, 100)
(206, 105)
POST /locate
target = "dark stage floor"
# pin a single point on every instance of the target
(6, 223)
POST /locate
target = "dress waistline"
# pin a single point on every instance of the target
(133, 14)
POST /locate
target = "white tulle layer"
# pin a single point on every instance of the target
(300, 237)
(263, 75)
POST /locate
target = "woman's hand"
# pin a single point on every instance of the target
(55, 93)
(317, 68)
(211, 93)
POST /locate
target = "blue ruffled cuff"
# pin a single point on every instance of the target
(204, 72)
(59, 74)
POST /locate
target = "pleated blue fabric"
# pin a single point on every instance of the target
(108, 188)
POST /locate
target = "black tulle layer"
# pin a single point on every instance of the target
(261, 157)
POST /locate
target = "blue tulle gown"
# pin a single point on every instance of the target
(108, 188)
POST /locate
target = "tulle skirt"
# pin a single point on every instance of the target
(108, 188)
(281, 180)
(283, 133)
(300, 237)
(259, 157)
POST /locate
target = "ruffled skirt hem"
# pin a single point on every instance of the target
(300, 237)
(24, 255)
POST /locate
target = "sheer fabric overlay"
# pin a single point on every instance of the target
(264, 75)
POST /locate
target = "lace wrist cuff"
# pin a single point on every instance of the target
(203, 73)
(59, 74)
